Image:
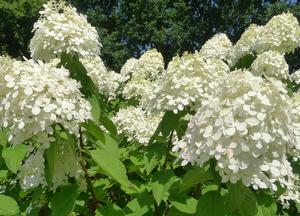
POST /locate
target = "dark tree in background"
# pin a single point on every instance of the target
(129, 27)
(16, 22)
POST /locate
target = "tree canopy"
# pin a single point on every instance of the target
(129, 28)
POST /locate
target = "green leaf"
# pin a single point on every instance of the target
(96, 111)
(50, 163)
(108, 124)
(167, 124)
(154, 155)
(99, 135)
(79, 73)
(109, 162)
(266, 205)
(14, 156)
(211, 204)
(63, 202)
(298, 207)
(3, 137)
(185, 204)
(8, 206)
(193, 177)
(140, 205)
(3, 174)
(161, 183)
(241, 200)
(245, 61)
(175, 212)
(110, 209)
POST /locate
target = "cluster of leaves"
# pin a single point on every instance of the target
(127, 179)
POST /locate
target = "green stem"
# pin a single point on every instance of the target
(168, 148)
(94, 204)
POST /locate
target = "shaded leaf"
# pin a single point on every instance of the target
(96, 111)
(154, 155)
(63, 202)
(110, 209)
(241, 200)
(211, 204)
(167, 124)
(140, 205)
(266, 205)
(161, 183)
(194, 176)
(185, 204)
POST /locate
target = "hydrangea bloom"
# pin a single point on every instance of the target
(295, 103)
(37, 95)
(292, 192)
(247, 128)
(129, 68)
(218, 47)
(295, 76)
(108, 82)
(136, 124)
(270, 64)
(31, 173)
(61, 29)
(148, 69)
(281, 33)
(246, 44)
(187, 81)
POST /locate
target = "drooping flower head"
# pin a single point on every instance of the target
(270, 64)
(295, 77)
(281, 33)
(37, 95)
(135, 124)
(247, 128)
(292, 192)
(218, 47)
(129, 68)
(246, 44)
(188, 80)
(148, 69)
(61, 29)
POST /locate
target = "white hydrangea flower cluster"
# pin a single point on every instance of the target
(281, 33)
(270, 64)
(148, 69)
(129, 68)
(295, 104)
(292, 192)
(188, 80)
(218, 47)
(108, 82)
(61, 29)
(246, 44)
(136, 124)
(295, 77)
(247, 128)
(34, 96)
(31, 173)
